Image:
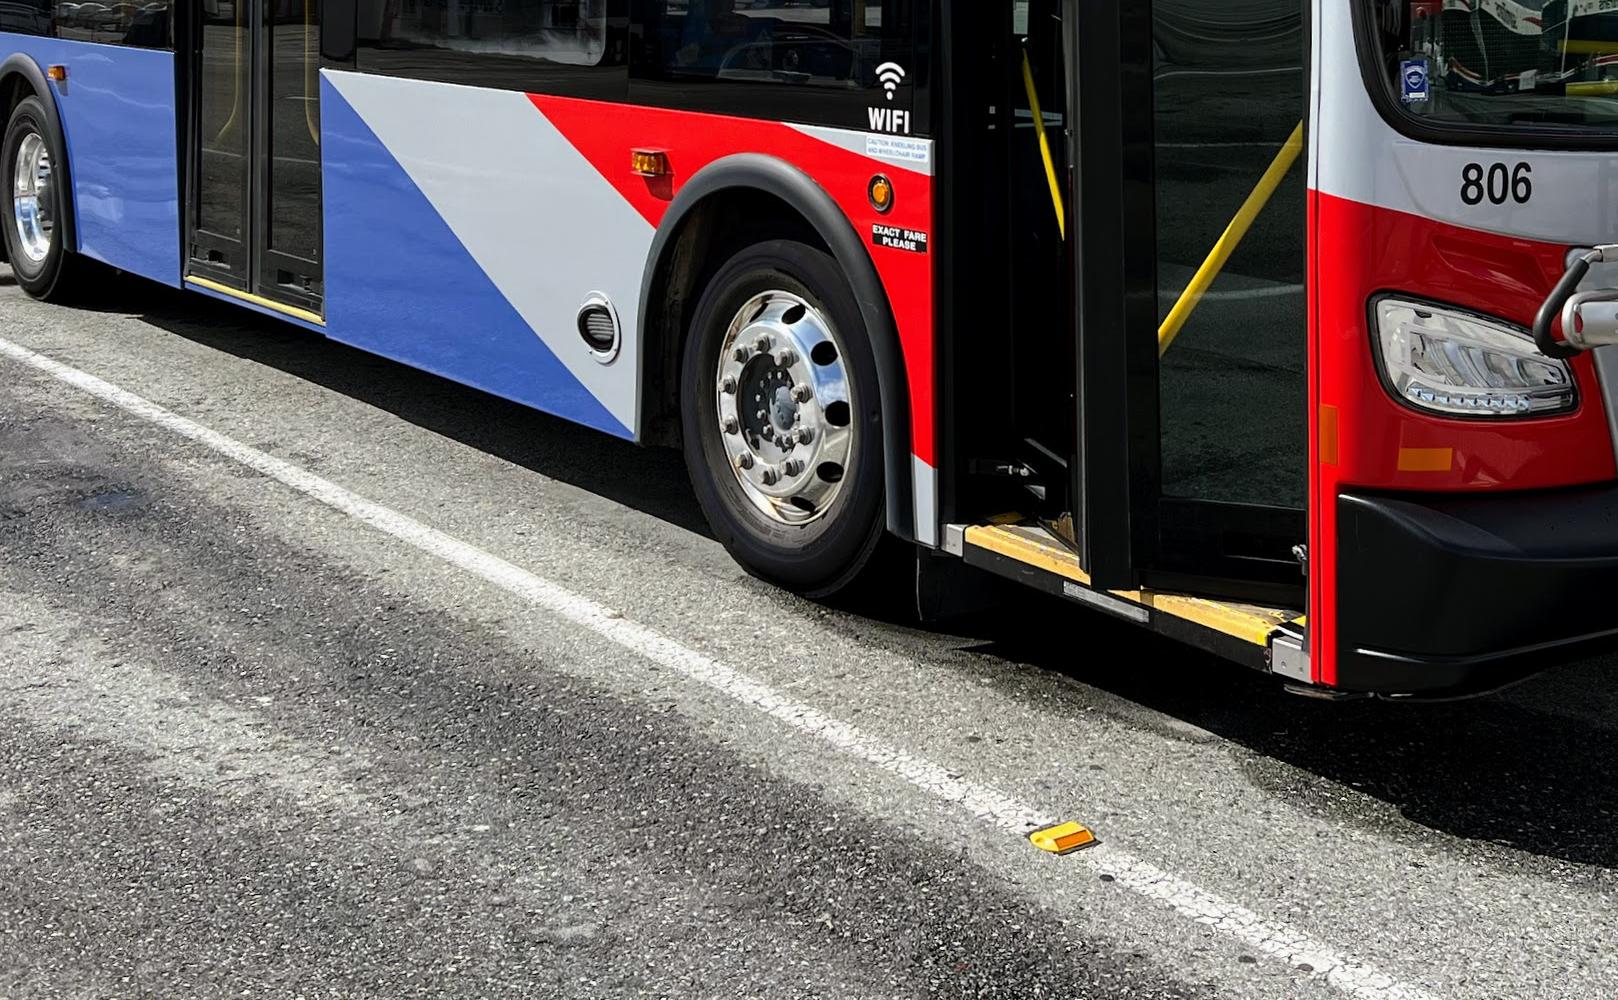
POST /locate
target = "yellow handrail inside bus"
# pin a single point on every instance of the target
(1588, 47)
(311, 71)
(235, 77)
(1044, 145)
(1593, 88)
(1229, 240)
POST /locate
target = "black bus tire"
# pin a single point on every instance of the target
(827, 553)
(52, 276)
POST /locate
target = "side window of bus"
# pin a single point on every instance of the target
(822, 61)
(575, 48)
(143, 24)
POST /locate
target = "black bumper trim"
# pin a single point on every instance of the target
(1443, 594)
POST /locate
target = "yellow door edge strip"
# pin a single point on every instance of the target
(257, 300)
(1228, 241)
(1023, 544)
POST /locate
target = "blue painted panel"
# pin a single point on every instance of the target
(399, 283)
(118, 117)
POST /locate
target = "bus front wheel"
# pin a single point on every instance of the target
(30, 172)
(781, 418)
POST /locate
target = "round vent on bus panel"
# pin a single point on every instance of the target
(598, 326)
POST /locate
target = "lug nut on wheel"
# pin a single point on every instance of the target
(731, 426)
(764, 343)
(794, 468)
(744, 461)
(787, 358)
(805, 435)
(728, 385)
(802, 393)
(771, 477)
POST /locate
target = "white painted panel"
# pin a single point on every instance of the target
(538, 217)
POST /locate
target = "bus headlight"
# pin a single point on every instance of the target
(1459, 363)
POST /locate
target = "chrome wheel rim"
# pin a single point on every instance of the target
(32, 207)
(785, 407)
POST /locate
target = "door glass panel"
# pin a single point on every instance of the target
(293, 53)
(1229, 84)
(223, 110)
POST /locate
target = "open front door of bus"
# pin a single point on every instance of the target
(1191, 319)
(1164, 443)
(1191, 311)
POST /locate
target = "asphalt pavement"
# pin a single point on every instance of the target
(322, 677)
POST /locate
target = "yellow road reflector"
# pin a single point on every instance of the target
(1063, 838)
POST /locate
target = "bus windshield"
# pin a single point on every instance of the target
(1500, 63)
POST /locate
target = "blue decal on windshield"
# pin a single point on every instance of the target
(1413, 80)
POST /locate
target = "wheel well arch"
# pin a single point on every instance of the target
(13, 88)
(21, 78)
(726, 205)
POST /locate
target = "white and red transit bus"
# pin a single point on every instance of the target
(1269, 325)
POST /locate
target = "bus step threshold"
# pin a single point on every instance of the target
(1031, 555)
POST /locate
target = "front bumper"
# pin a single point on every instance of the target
(1443, 594)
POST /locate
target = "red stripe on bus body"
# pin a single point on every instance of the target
(606, 135)
(1360, 251)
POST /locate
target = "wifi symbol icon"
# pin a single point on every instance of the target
(890, 74)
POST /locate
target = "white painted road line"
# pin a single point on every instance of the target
(1303, 954)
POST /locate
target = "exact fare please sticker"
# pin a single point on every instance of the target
(897, 238)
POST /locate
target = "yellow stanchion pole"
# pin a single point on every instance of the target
(1232, 237)
(1044, 145)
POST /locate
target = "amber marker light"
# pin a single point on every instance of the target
(57, 73)
(649, 162)
(880, 192)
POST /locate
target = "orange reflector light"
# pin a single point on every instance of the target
(1064, 838)
(1426, 459)
(880, 192)
(57, 73)
(1328, 434)
(649, 162)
